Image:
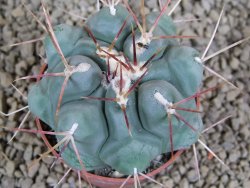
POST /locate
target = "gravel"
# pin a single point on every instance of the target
(230, 140)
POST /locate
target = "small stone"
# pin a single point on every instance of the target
(204, 171)
(182, 170)
(21, 67)
(214, 15)
(184, 183)
(19, 146)
(7, 182)
(18, 174)
(232, 95)
(28, 153)
(192, 176)
(224, 178)
(187, 5)
(234, 63)
(10, 167)
(2, 21)
(35, 4)
(65, 185)
(245, 55)
(234, 156)
(212, 178)
(233, 184)
(51, 180)
(33, 170)
(222, 154)
(43, 169)
(176, 176)
(246, 183)
(151, 3)
(26, 183)
(224, 29)
(5, 79)
(59, 169)
(23, 169)
(17, 12)
(246, 31)
(235, 123)
(2, 102)
(206, 5)
(39, 184)
(7, 35)
(37, 151)
(169, 183)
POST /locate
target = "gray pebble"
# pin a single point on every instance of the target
(40, 185)
(246, 183)
(232, 95)
(17, 174)
(211, 178)
(2, 101)
(51, 180)
(65, 185)
(17, 12)
(23, 169)
(43, 170)
(21, 68)
(233, 184)
(184, 183)
(192, 176)
(234, 63)
(204, 171)
(28, 153)
(234, 156)
(33, 169)
(245, 55)
(10, 167)
(7, 182)
(5, 79)
(26, 183)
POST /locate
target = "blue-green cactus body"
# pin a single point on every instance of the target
(120, 143)
(165, 27)
(102, 137)
(155, 122)
(107, 28)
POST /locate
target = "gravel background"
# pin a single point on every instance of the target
(230, 140)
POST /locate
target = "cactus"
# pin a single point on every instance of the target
(136, 80)
(117, 93)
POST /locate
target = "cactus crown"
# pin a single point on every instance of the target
(123, 90)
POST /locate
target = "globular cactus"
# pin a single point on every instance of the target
(128, 91)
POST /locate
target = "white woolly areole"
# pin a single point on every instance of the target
(73, 128)
(198, 59)
(135, 171)
(158, 96)
(113, 65)
(116, 84)
(138, 72)
(82, 67)
(122, 100)
(112, 10)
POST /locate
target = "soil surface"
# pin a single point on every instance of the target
(230, 140)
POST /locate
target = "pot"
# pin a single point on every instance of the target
(106, 182)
